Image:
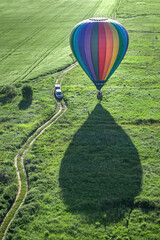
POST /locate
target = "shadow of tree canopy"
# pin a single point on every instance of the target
(5, 99)
(101, 170)
(24, 104)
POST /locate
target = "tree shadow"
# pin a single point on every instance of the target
(24, 104)
(101, 171)
(5, 99)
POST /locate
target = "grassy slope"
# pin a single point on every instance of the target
(34, 42)
(18, 120)
(113, 148)
(35, 36)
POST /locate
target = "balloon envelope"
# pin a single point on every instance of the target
(99, 45)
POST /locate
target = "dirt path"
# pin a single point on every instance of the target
(22, 152)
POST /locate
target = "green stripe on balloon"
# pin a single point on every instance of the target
(94, 49)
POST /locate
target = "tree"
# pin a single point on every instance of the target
(27, 92)
(9, 91)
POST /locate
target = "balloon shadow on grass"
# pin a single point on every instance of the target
(100, 174)
(24, 104)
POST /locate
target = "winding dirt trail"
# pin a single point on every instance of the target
(22, 152)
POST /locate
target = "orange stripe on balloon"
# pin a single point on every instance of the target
(109, 49)
(115, 48)
(102, 48)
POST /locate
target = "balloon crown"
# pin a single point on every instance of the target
(98, 19)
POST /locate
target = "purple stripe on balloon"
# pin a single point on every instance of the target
(87, 47)
(81, 38)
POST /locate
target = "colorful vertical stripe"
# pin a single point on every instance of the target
(99, 46)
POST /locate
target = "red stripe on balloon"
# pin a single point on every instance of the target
(109, 51)
(102, 49)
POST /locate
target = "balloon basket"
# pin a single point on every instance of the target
(99, 95)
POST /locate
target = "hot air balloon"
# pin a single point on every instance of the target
(99, 45)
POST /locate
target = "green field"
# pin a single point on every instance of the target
(95, 173)
(35, 35)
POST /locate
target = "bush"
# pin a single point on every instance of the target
(27, 92)
(144, 203)
(10, 193)
(9, 91)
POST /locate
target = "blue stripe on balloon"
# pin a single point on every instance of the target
(125, 43)
(72, 41)
(76, 45)
(127, 37)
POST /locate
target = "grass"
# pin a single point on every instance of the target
(95, 173)
(24, 183)
(35, 36)
(18, 121)
(91, 178)
(29, 53)
(19, 200)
